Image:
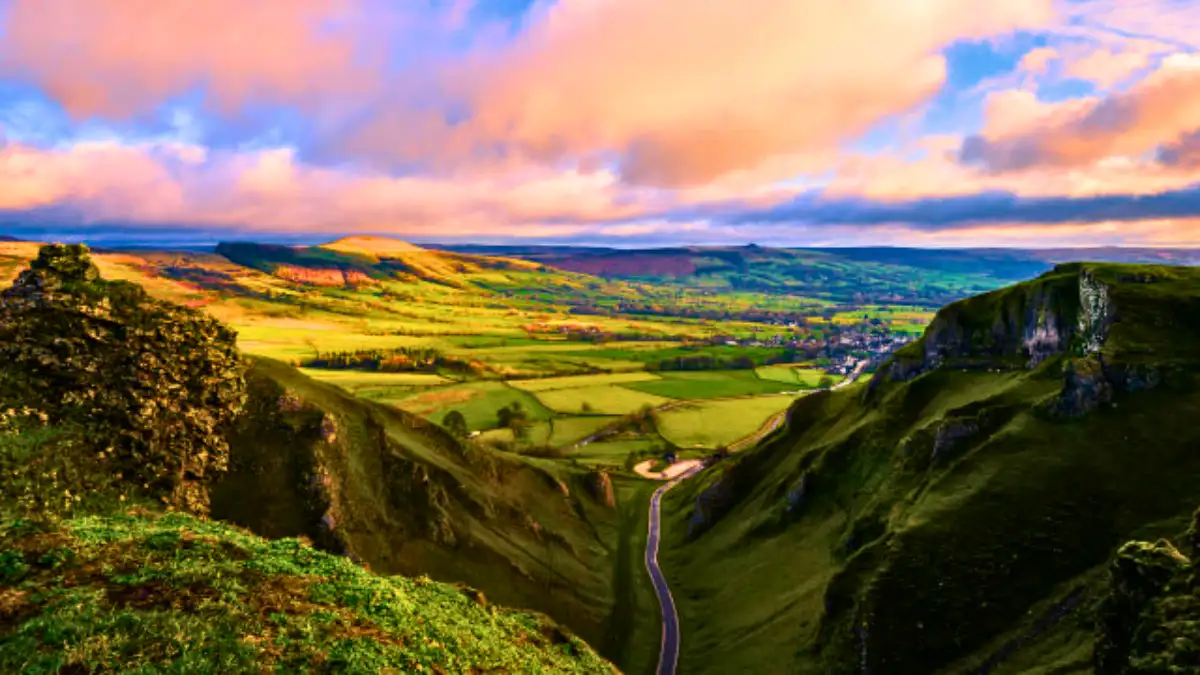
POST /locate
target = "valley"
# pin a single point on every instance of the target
(453, 416)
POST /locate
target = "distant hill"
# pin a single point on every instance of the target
(959, 512)
(360, 260)
(930, 277)
(5, 237)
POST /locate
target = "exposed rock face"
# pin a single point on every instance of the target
(1023, 326)
(1150, 621)
(1096, 313)
(1085, 387)
(712, 503)
(601, 487)
(314, 276)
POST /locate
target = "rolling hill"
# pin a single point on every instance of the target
(115, 407)
(928, 277)
(959, 512)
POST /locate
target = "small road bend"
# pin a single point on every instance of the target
(668, 655)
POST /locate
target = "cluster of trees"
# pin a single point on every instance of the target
(400, 360)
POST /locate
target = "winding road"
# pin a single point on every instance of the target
(668, 655)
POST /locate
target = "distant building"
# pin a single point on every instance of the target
(669, 457)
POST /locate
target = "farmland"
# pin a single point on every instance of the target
(710, 424)
(573, 352)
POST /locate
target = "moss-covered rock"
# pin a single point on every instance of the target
(1149, 623)
(149, 384)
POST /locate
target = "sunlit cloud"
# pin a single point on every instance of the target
(671, 121)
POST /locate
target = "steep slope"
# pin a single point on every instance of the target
(405, 497)
(956, 513)
(114, 406)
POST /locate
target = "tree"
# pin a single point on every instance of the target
(456, 424)
(825, 382)
(586, 407)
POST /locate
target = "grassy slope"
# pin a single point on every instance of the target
(715, 423)
(407, 498)
(846, 535)
(150, 593)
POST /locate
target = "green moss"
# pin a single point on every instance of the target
(150, 593)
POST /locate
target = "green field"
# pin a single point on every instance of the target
(477, 401)
(807, 378)
(580, 381)
(602, 400)
(717, 423)
(685, 385)
(357, 380)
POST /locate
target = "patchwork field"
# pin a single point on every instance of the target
(807, 378)
(710, 384)
(603, 400)
(713, 424)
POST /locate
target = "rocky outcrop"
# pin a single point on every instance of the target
(712, 503)
(601, 488)
(316, 276)
(1149, 622)
(1068, 310)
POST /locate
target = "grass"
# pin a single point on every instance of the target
(479, 403)
(601, 400)
(807, 378)
(718, 423)
(950, 514)
(357, 380)
(686, 385)
(148, 593)
(580, 381)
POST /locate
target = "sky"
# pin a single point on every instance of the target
(926, 123)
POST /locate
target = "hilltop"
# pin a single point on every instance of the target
(959, 512)
(120, 415)
(929, 277)
(367, 260)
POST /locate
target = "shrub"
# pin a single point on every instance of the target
(153, 385)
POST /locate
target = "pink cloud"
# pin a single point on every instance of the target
(1108, 67)
(272, 190)
(1159, 109)
(686, 92)
(119, 57)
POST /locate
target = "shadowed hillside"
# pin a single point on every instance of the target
(405, 497)
(120, 414)
(956, 514)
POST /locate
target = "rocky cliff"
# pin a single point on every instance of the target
(960, 515)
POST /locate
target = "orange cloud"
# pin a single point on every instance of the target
(1108, 67)
(119, 57)
(1157, 110)
(685, 92)
(270, 189)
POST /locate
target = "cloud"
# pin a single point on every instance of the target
(678, 93)
(271, 190)
(1184, 153)
(121, 57)
(955, 212)
(1037, 61)
(1159, 109)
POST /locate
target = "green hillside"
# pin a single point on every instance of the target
(173, 593)
(120, 414)
(958, 512)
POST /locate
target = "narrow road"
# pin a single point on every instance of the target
(668, 655)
